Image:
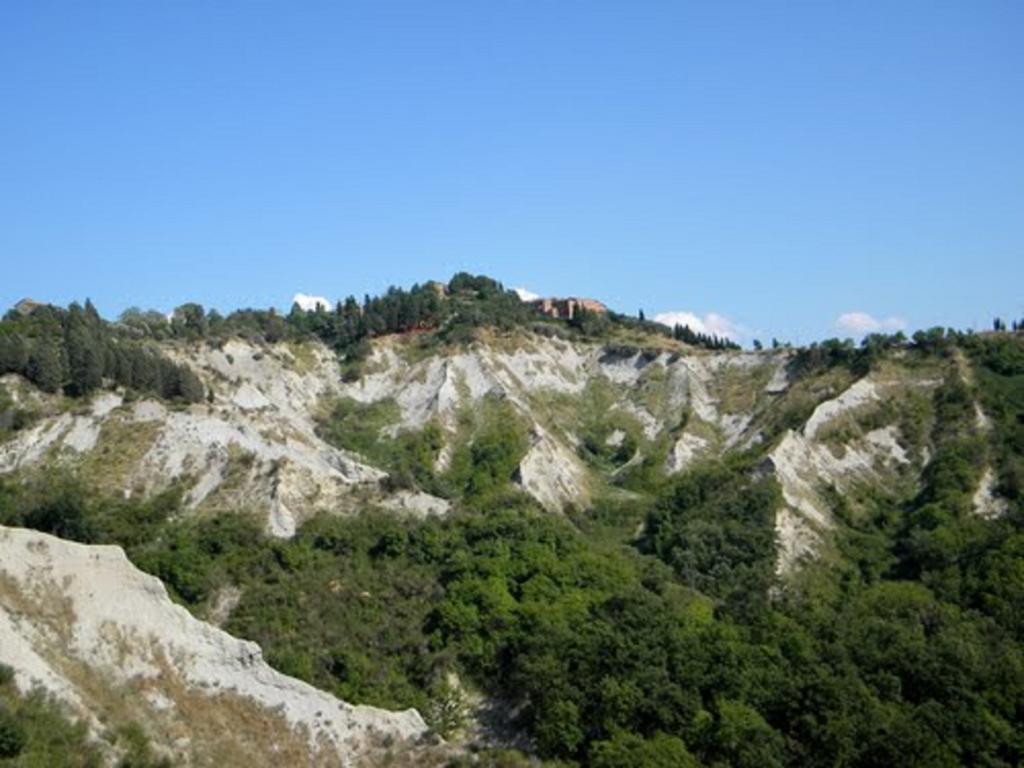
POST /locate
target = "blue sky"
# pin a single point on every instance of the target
(766, 166)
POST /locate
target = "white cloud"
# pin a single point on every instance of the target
(526, 295)
(308, 302)
(712, 323)
(861, 323)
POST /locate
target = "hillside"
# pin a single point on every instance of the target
(603, 545)
(595, 419)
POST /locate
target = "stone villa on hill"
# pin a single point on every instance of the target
(566, 309)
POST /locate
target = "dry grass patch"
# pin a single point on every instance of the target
(120, 448)
(43, 602)
(739, 388)
(303, 356)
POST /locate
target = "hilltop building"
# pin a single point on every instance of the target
(567, 308)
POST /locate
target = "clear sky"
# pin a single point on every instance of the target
(772, 164)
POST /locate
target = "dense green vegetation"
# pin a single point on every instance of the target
(492, 441)
(75, 349)
(679, 646)
(707, 340)
(1000, 374)
(485, 460)
(446, 313)
(715, 527)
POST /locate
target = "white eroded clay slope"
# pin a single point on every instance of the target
(85, 624)
(254, 445)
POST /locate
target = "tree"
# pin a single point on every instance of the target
(145, 372)
(214, 323)
(744, 739)
(189, 320)
(588, 322)
(85, 349)
(275, 327)
(560, 731)
(64, 515)
(628, 750)
(45, 366)
(149, 323)
(13, 353)
(190, 388)
(757, 345)
(449, 710)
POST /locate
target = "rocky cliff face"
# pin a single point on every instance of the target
(255, 444)
(821, 435)
(104, 638)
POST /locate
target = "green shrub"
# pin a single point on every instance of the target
(627, 750)
(35, 732)
(12, 735)
(483, 466)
